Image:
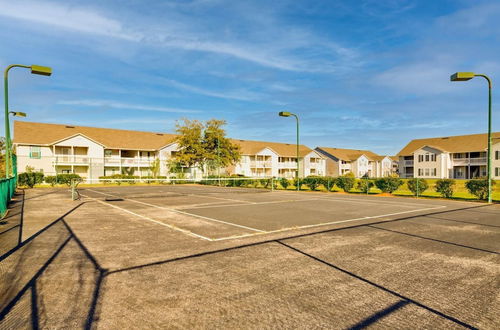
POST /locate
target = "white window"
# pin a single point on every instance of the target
(497, 155)
(433, 157)
(35, 152)
(434, 172)
(497, 171)
(427, 157)
(426, 172)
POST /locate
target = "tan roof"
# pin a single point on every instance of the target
(282, 149)
(461, 143)
(350, 154)
(47, 134)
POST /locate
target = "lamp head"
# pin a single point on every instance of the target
(285, 114)
(41, 70)
(462, 76)
(18, 113)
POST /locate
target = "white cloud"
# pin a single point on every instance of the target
(118, 105)
(272, 50)
(242, 95)
(65, 17)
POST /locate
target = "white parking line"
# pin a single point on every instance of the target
(184, 231)
(182, 212)
(329, 223)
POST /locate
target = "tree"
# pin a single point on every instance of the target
(204, 145)
(312, 182)
(219, 150)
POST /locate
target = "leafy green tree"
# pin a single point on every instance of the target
(346, 182)
(479, 187)
(417, 186)
(205, 145)
(328, 182)
(445, 187)
(388, 184)
(219, 151)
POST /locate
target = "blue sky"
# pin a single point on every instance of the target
(367, 74)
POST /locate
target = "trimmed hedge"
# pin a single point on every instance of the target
(29, 179)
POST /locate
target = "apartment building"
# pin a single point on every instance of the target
(454, 157)
(88, 151)
(268, 159)
(359, 162)
(93, 152)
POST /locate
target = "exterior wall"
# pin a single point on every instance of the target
(495, 161)
(362, 166)
(425, 166)
(316, 167)
(44, 163)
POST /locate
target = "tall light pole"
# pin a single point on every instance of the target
(35, 69)
(288, 114)
(464, 76)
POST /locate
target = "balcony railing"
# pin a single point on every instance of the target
(111, 161)
(408, 162)
(469, 161)
(262, 164)
(287, 164)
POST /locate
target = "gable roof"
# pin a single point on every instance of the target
(460, 143)
(282, 149)
(349, 154)
(48, 134)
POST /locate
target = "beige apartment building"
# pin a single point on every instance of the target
(359, 162)
(268, 159)
(453, 157)
(93, 152)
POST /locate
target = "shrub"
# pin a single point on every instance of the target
(50, 179)
(445, 187)
(68, 178)
(30, 179)
(298, 182)
(364, 185)
(284, 183)
(479, 187)
(346, 182)
(388, 184)
(417, 186)
(328, 182)
(312, 182)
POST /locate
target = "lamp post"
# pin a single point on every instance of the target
(288, 114)
(35, 69)
(464, 76)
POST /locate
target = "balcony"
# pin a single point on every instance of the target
(287, 165)
(469, 161)
(71, 160)
(261, 164)
(111, 161)
(407, 163)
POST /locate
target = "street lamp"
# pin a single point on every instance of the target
(464, 76)
(35, 69)
(288, 114)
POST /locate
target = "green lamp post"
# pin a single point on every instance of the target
(464, 76)
(35, 69)
(288, 114)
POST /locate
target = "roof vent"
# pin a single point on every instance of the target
(70, 126)
(444, 138)
(242, 140)
(159, 134)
